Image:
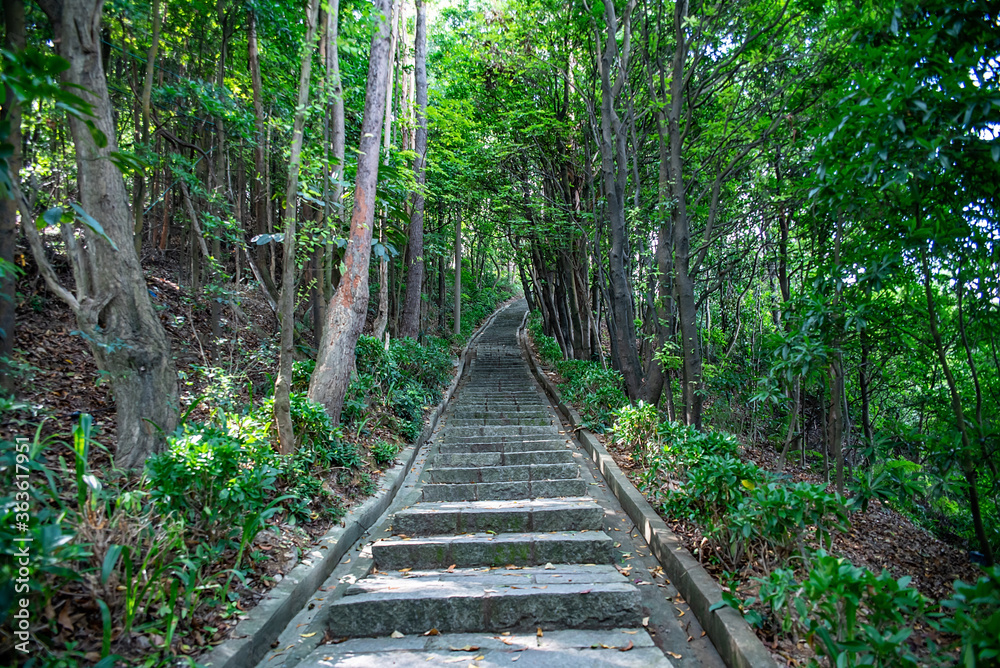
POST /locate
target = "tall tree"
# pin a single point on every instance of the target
(10, 116)
(286, 299)
(112, 304)
(415, 248)
(346, 311)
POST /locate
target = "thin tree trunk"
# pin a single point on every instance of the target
(346, 312)
(457, 310)
(614, 167)
(338, 135)
(14, 40)
(261, 192)
(966, 457)
(415, 248)
(382, 318)
(147, 92)
(691, 369)
(286, 299)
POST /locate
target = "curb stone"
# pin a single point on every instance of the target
(735, 641)
(253, 635)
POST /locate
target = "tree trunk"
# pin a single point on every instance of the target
(147, 92)
(337, 134)
(346, 312)
(966, 456)
(112, 307)
(382, 317)
(691, 369)
(614, 168)
(260, 190)
(14, 40)
(457, 310)
(415, 248)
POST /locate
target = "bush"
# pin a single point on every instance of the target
(847, 614)
(209, 478)
(637, 428)
(976, 619)
(384, 452)
(598, 392)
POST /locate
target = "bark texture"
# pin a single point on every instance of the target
(286, 299)
(112, 303)
(410, 325)
(14, 38)
(346, 313)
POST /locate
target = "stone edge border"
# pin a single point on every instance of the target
(253, 636)
(729, 632)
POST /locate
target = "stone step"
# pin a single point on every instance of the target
(583, 597)
(498, 420)
(486, 491)
(484, 549)
(509, 473)
(465, 459)
(556, 649)
(497, 431)
(569, 514)
(473, 446)
(480, 413)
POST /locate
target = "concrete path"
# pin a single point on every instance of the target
(503, 546)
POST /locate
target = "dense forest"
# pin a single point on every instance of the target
(261, 231)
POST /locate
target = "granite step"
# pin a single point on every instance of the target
(507, 473)
(486, 491)
(486, 549)
(582, 597)
(556, 649)
(569, 514)
(466, 459)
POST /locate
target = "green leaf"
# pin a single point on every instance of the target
(51, 217)
(91, 223)
(110, 561)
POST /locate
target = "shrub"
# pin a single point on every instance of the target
(848, 614)
(384, 452)
(208, 477)
(637, 428)
(976, 619)
(598, 392)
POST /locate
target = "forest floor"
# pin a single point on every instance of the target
(58, 380)
(879, 538)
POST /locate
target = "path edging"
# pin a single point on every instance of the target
(729, 632)
(252, 637)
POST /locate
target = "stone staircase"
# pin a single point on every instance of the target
(504, 537)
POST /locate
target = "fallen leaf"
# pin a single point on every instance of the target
(307, 635)
(645, 621)
(433, 632)
(626, 647)
(450, 569)
(396, 634)
(466, 648)
(539, 632)
(64, 619)
(674, 655)
(549, 567)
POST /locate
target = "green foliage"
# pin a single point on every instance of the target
(637, 428)
(975, 619)
(548, 348)
(598, 392)
(396, 385)
(210, 478)
(849, 615)
(384, 452)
